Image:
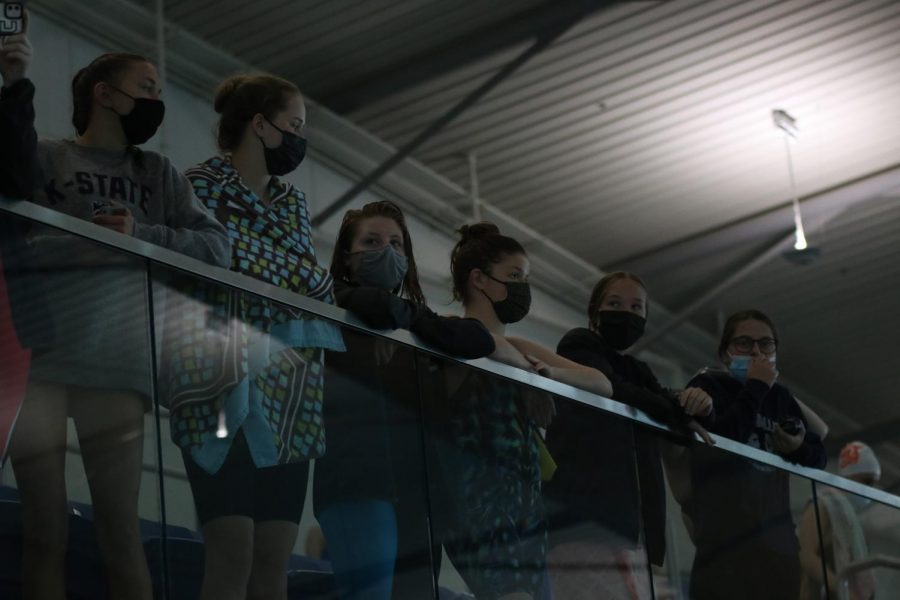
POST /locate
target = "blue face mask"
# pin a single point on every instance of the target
(739, 366)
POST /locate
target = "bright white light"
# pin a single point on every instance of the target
(800, 243)
(799, 235)
(222, 429)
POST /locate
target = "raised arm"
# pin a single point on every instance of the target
(19, 171)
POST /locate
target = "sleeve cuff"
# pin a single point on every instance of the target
(22, 89)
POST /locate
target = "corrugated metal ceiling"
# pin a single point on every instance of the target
(324, 44)
(659, 118)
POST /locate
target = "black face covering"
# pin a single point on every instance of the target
(517, 303)
(144, 119)
(286, 157)
(620, 328)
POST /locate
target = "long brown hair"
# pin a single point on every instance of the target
(349, 226)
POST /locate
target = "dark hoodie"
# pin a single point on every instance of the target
(597, 478)
(756, 496)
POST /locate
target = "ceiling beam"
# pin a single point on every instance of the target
(534, 23)
(544, 40)
(746, 229)
(827, 206)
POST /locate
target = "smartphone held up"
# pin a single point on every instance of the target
(12, 18)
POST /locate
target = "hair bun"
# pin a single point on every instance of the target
(226, 90)
(477, 231)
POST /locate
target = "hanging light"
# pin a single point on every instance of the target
(788, 125)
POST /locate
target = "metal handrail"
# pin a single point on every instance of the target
(168, 258)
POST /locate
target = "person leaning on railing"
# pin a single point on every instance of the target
(368, 487)
(496, 533)
(246, 393)
(598, 502)
(740, 510)
(94, 366)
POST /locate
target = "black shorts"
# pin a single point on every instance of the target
(240, 488)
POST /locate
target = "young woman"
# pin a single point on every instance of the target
(95, 367)
(740, 510)
(595, 534)
(248, 425)
(367, 488)
(496, 536)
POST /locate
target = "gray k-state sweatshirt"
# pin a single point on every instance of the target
(88, 312)
(78, 180)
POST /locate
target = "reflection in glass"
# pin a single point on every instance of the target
(368, 486)
(486, 481)
(842, 566)
(595, 502)
(245, 401)
(83, 311)
(741, 516)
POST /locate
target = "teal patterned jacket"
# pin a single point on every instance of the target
(239, 362)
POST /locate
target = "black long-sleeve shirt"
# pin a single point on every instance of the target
(609, 472)
(466, 338)
(372, 408)
(18, 141)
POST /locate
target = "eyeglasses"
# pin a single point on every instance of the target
(745, 343)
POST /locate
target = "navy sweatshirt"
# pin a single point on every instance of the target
(735, 500)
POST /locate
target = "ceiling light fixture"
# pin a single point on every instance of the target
(802, 253)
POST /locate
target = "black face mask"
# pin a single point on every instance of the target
(620, 328)
(517, 303)
(144, 119)
(286, 157)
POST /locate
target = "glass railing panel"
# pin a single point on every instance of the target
(453, 453)
(605, 489)
(331, 414)
(860, 546)
(486, 464)
(80, 489)
(732, 526)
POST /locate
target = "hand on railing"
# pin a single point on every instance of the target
(508, 354)
(695, 402)
(701, 431)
